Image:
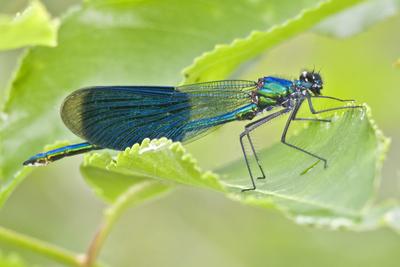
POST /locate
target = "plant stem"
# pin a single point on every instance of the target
(135, 194)
(49, 250)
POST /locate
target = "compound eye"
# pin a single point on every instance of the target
(304, 76)
(310, 77)
(317, 78)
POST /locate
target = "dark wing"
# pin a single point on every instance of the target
(117, 117)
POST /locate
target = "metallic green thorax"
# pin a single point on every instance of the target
(272, 90)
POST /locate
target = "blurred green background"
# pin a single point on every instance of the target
(198, 228)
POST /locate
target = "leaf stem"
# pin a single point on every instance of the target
(133, 195)
(49, 250)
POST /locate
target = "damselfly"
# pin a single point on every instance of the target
(117, 117)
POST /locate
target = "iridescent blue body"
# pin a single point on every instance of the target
(58, 153)
(117, 117)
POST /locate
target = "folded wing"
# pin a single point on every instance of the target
(117, 117)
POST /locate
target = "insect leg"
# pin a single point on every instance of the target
(255, 155)
(311, 119)
(313, 111)
(285, 130)
(333, 98)
(249, 128)
(247, 163)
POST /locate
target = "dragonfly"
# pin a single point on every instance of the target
(116, 117)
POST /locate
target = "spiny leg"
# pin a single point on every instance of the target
(247, 163)
(311, 119)
(249, 128)
(333, 98)
(313, 111)
(285, 130)
(256, 156)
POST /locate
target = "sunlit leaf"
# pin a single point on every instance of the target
(159, 159)
(339, 196)
(11, 260)
(358, 18)
(124, 42)
(33, 26)
(224, 59)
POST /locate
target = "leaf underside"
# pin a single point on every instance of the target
(338, 196)
(126, 43)
(119, 34)
(33, 26)
(11, 260)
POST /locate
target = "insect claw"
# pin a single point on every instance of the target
(248, 189)
(261, 177)
(325, 163)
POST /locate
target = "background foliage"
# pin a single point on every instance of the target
(192, 227)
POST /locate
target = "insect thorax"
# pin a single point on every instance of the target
(271, 91)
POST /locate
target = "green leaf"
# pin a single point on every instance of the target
(339, 196)
(354, 149)
(121, 42)
(224, 59)
(134, 194)
(392, 217)
(110, 185)
(33, 26)
(159, 159)
(8, 187)
(383, 214)
(358, 18)
(11, 260)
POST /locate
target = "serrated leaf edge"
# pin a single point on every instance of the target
(197, 62)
